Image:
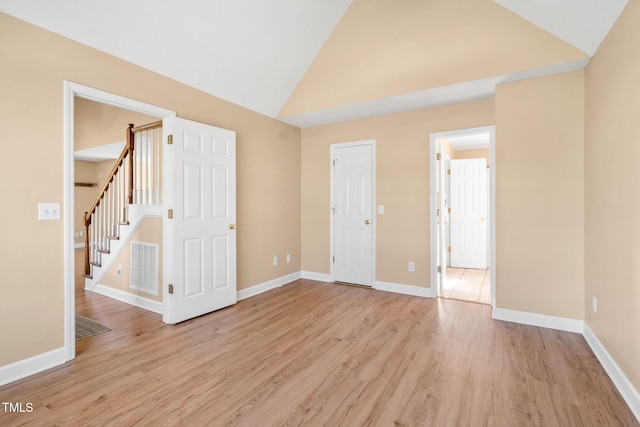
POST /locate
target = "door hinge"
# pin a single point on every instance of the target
(334, 259)
(334, 162)
(437, 212)
(169, 139)
(439, 269)
(448, 171)
(438, 156)
(449, 249)
(170, 214)
(170, 288)
(333, 211)
(449, 209)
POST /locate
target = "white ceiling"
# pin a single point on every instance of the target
(100, 153)
(254, 52)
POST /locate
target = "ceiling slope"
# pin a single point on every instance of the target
(249, 52)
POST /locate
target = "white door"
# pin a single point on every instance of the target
(200, 242)
(353, 219)
(469, 213)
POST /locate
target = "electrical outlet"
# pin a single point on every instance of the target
(412, 266)
(119, 270)
(275, 261)
(594, 304)
(288, 257)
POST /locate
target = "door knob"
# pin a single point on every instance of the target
(232, 226)
(367, 222)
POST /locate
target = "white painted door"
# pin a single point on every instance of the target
(469, 213)
(353, 214)
(200, 257)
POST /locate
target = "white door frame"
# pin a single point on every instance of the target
(372, 144)
(71, 91)
(433, 146)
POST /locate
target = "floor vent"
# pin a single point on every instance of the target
(144, 267)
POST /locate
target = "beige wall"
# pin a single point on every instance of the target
(476, 153)
(35, 63)
(99, 124)
(612, 199)
(540, 195)
(84, 172)
(402, 152)
(150, 231)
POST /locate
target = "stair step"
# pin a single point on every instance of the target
(104, 251)
(123, 222)
(87, 276)
(95, 264)
(113, 237)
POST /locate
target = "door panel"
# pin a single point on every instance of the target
(353, 195)
(469, 213)
(201, 246)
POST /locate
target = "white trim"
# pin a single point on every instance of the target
(374, 215)
(319, 277)
(433, 140)
(629, 393)
(78, 246)
(33, 365)
(267, 286)
(536, 319)
(126, 297)
(398, 288)
(70, 91)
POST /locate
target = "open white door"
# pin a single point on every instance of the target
(200, 241)
(353, 213)
(469, 213)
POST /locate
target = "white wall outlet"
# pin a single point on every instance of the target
(380, 209)
(412, 266)
(79, 233)
(119, 270)
(288, 257)
(594, 304)
(275, 261)
(48, 211)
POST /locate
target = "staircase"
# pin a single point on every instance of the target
(131, 191)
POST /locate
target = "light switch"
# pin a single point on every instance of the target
(48, 211)
(380, 209)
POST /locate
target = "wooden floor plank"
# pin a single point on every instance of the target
(319, 354)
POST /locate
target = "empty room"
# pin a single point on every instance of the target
(345, 212)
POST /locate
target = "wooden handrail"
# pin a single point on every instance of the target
(128, 150)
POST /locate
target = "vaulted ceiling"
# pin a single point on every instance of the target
(321, 61)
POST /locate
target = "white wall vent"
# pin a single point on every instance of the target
(144, 267)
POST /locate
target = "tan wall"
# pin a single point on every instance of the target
(476, 153)
(99, 124)
(612, 174)
(150, 231)
(35, 63)
(540, 195)
(84, 172)
(402, 152)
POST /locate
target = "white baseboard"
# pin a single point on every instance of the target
(629, 393)
(267, 286)
(398, 288)
(535, 319)
(319, 277)
(136, 300)
(33, 365)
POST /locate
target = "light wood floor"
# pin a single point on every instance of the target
(319, 354)
(467, 284)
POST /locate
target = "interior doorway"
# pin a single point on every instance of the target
(462, 224)
(71, 92)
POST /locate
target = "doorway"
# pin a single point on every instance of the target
(462, 224)
(352, 221)
(71, 92)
